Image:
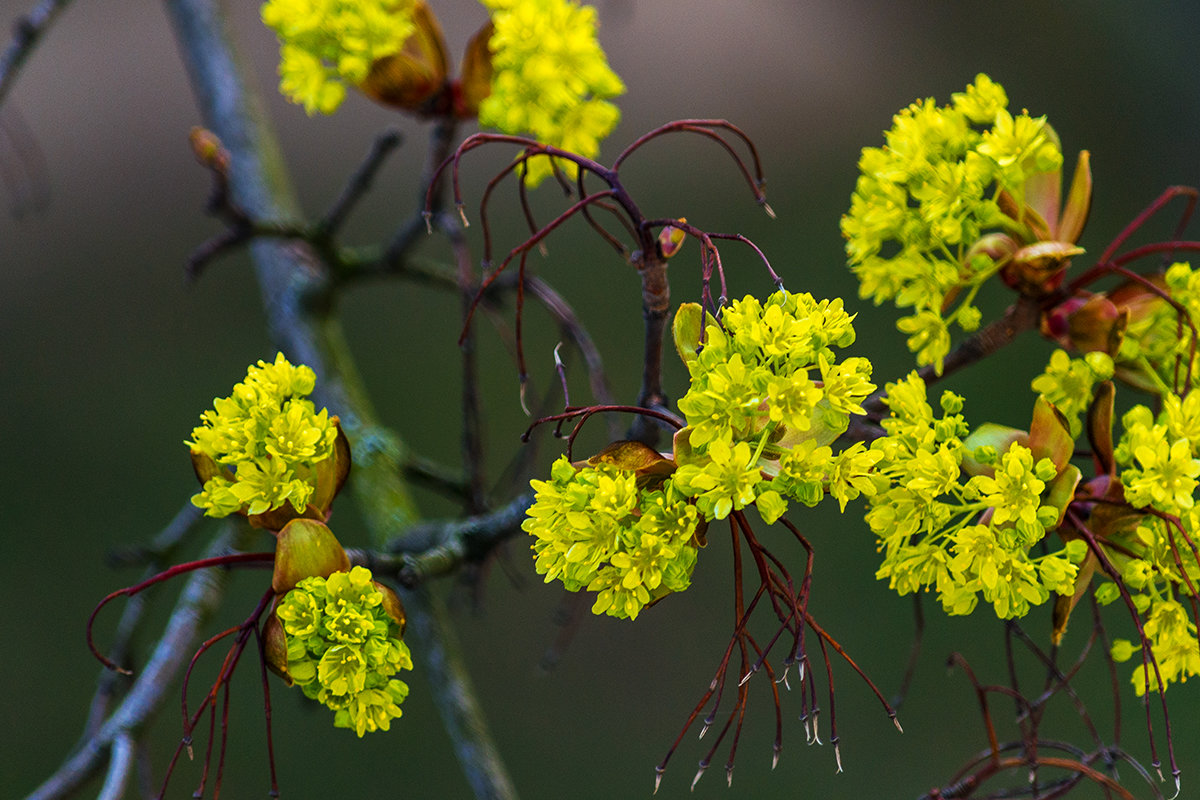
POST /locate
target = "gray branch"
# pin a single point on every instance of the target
(200, 599)
(455, 698)
(290, 275)
(120, 765)
(27, 32)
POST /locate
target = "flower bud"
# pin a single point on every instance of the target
(330, 474)
(670, 240)
(1079, 201)
(633, 457)
(1049, 436)
(306, 548)
(1038, 269)
(688, 330)
(392, 606)
(1087, 325)
(996, 439)
(208, 149)
(475, 77)
(275, 644)
(411, 78)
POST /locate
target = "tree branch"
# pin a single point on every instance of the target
(455, 697)
(197, 603)
(27, 32)
(437, 548)
(120, 765)
(289, 274)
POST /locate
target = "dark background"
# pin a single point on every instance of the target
(107, 358)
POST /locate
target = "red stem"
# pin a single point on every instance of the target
(179, 569)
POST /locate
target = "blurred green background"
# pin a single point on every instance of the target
(107, 357)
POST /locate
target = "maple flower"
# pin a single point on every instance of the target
(265, 445)
(344, 648)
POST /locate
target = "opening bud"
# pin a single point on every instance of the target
(475, 81)
(413, 77)
(306, 548)
(670, 240)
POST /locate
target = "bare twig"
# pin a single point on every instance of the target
(198, 601)
(472, 427)
(455, 697)
(120, 765)
(431, 549)
(359, 183)
(158, 552)
(27, 33)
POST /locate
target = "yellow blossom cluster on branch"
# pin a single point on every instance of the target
(596, 530)
(550, 79)
(536, 68)
(326, 44)
(963, 536)
(941, 208)
(343, 647)
(1159, 460)
(767, 398)
(266, 445)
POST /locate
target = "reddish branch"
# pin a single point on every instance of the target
(790, 606)
(233, 559)
(643, 251)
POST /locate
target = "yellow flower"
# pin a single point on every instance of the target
(343, 647)
(550, 78)
(594, 528)
(325, 44)
(266, 446)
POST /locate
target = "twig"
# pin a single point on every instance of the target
(197, 603)
(455, 697)
(435, 475)
(472, 427)
(359, 183)
(27, 32)
(432, 549)
(441, 141)
(573, 329)
(914, 653)
(156, 553)
(120, 764)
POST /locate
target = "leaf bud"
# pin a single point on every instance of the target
(670, 239)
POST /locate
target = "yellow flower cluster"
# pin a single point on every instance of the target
(264, 441)
(325, 44)
(962, 538)
(594, 529)
(1068, 382)
(767, 397)
(344, 647)
(916, 232)
(1173, 641)
(1156, 350)
(550, 78)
